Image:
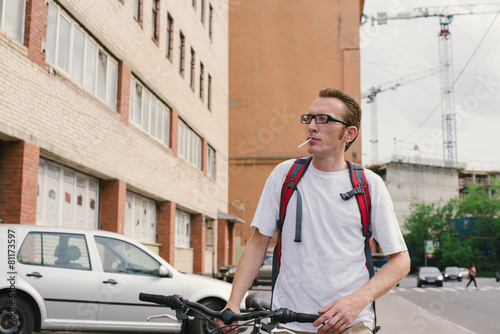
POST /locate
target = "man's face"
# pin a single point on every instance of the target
(326, 139)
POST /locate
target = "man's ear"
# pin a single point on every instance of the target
(351, 133)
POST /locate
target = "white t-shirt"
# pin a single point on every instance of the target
(330, 261)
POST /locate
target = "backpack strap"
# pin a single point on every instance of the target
(362, 193)
(292, 179)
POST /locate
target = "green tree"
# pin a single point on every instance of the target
(466, 230)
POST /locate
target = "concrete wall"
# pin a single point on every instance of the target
(409, 183)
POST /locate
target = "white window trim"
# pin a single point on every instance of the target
(111, 62)
(164, 136)
(22, 23)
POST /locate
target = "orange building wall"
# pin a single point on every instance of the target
(281, 53)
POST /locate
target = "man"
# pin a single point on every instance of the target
(325, 273)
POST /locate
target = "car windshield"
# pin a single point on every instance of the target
(452, 270)
(429, 271)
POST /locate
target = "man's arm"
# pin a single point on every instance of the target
(343, 311)
(248, 267)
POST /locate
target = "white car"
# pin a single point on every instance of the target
(89, 280)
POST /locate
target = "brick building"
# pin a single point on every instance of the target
(114, 115)
(281, 54)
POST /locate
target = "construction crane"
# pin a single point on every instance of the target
(371, 96)
(445, 14)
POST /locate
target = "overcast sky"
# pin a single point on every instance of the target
(410, 116)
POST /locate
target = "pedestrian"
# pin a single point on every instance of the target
(326, 272)
(472, 276)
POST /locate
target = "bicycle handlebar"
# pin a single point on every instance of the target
(176, 302)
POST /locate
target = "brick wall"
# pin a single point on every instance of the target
(198, 243)
(35, 29)
(18, 182)
(112, 201)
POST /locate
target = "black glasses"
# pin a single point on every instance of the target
(320, 119)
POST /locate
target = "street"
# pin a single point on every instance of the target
(451, 309)
(407, 309)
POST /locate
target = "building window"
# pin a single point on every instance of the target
(189, 144)
(138, 10)
(12, 18)
(65, 197)
(182, 229)
(202, 80)
(209, 93)
(193, 64)
(140, 218)
(210, 21)
(202, 10)
(156, 21)
(149, 113)
(211, 162)
(182, 47)
(72, 50)
(170, 36)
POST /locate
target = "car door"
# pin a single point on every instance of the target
(58, 266)
(127, 271)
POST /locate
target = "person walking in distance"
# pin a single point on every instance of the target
(325, 272)
(472, 276)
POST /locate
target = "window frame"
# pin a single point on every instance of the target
(89, 82)
(155, 20)
(170, 36)
(182, 51)
(192, 78)
(20, 22)
(138, 117)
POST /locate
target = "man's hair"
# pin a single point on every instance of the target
(352, 115)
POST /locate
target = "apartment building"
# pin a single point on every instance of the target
(114, 116)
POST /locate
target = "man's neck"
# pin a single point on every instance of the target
(329, 164)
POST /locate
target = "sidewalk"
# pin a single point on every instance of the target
(397, 315)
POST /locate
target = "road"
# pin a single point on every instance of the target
(451, 309)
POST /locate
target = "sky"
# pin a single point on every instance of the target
(410, 117)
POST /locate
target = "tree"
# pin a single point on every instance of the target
(467, 229)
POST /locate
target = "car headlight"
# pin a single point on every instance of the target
(446, 275)
(232, 270)
(422, 278)
(440, 277)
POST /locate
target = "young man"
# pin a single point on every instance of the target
(325, 273)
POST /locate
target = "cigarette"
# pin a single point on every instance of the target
(307, 141)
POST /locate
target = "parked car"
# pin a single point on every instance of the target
(429, 276)
(464, 272)
(265, 274)
(90, 280)
(452, 273)
(226, 273)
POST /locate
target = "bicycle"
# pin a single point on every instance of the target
(186, 311)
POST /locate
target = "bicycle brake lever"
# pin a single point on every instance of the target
(171, 317)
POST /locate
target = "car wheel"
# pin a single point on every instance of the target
(440, 284)
(201, 326)
(20, 321)
(419, 285)
(460, 280)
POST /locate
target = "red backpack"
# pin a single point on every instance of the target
(360, 191)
